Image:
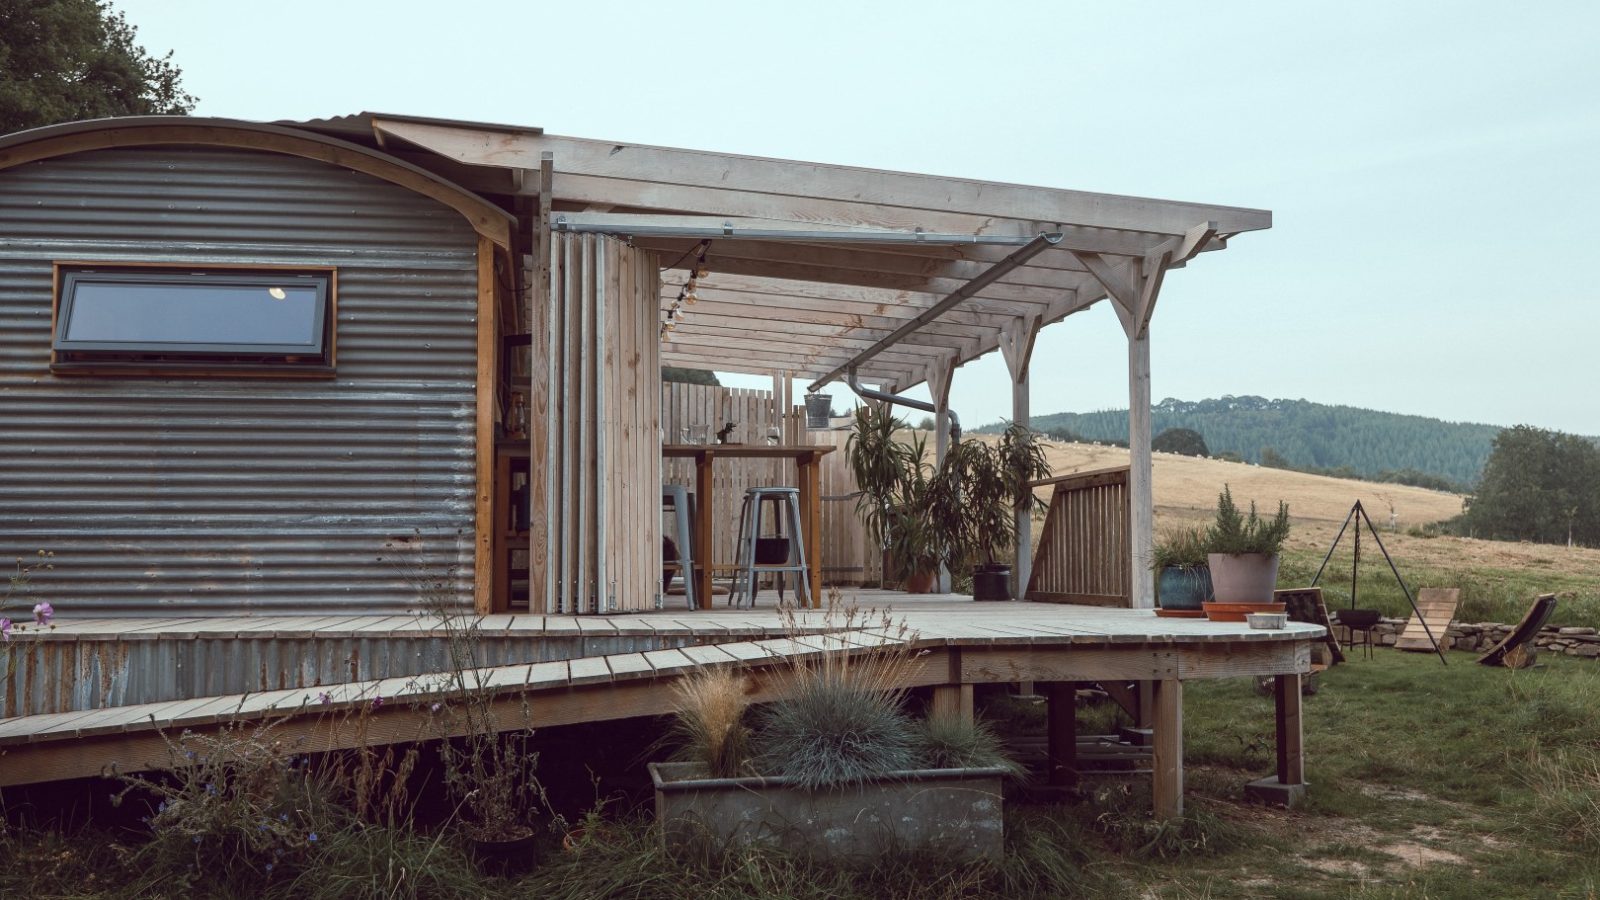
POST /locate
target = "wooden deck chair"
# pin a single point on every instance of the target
(1512, 651)
(1437, 607)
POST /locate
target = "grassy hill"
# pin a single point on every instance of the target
(1306, 434)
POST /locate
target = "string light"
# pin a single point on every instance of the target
(687, 293)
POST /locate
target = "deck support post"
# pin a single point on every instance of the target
(1133, 287)
(1016, 346)
(1166, 789)
(1141, 494)
(1062, 734)
(1288, 786)
(953, 700)
(939, 376)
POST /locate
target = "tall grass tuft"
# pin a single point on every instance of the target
(954, 742)
(838, 719)
(1565, 785)
(710, 710)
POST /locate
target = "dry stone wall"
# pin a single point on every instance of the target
(1579, 641)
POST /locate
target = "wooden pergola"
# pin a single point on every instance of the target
(826, 272)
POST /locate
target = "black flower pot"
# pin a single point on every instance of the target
(508, 857)
(772, 551)
(991, 583)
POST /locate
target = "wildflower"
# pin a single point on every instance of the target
(197, 839)
(43, 613)
(324, 698)
(283, 817)
(377, 702)
(312, 837)
(5, 629)
(436, 707)
(269, 868)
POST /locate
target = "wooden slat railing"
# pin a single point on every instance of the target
(1084, 549)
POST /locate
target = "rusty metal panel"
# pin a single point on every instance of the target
(208, 495)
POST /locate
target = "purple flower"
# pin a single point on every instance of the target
(43, 613)
(269, 868)
(324, 698)
(5, 629)
(436, 707)
(377, 702)
(312, 837)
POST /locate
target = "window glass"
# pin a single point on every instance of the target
(214, 314)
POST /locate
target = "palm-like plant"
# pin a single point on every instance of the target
(981, 488)
(895, 481)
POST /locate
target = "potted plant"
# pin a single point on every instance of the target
(894, 481)
(1183, 571)
(979, 492)
(833, 767)
(1243, 552)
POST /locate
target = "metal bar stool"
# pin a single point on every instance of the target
(681, 500)
(752, 561)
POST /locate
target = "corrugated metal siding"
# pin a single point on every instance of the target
(53, 676)
(211, 495)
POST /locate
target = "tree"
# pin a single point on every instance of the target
(1272, 459)
(927, 424)
(689, 376)
(64, 60)
(1183, 441)
(1539, 486)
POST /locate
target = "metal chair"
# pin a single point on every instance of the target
(681, 501)
(751, 564)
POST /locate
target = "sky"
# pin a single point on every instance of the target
(1431, 174)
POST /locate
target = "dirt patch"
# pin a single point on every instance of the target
(1390, 794)
(1416, 855)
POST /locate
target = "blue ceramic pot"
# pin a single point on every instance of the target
(1183, 588)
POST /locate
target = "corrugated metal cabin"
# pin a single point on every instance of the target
(244, 479)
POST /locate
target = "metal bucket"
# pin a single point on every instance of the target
(818, 408)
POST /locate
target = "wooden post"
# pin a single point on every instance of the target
(704, 553)
(1166, 787)
(811, 523)
(1022, 564)
(939, 375)
(1016, 346)
(1286, 703)
(1141, 497)
(1288, 786)
(953, 700)
(1061, 733)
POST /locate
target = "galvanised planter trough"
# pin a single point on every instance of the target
(954, 812)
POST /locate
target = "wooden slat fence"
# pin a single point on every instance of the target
(1085, 551)
(691, 411)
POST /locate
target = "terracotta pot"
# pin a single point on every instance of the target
(920, 582)
(1243, 577)
(1237, 612)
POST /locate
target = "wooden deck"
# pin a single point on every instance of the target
(962, 643)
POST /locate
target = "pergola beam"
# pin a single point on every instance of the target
(860, 258)
(860, 194)
(970, 289)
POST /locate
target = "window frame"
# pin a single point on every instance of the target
(221, 359)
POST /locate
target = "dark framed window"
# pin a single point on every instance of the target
(186, 318)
